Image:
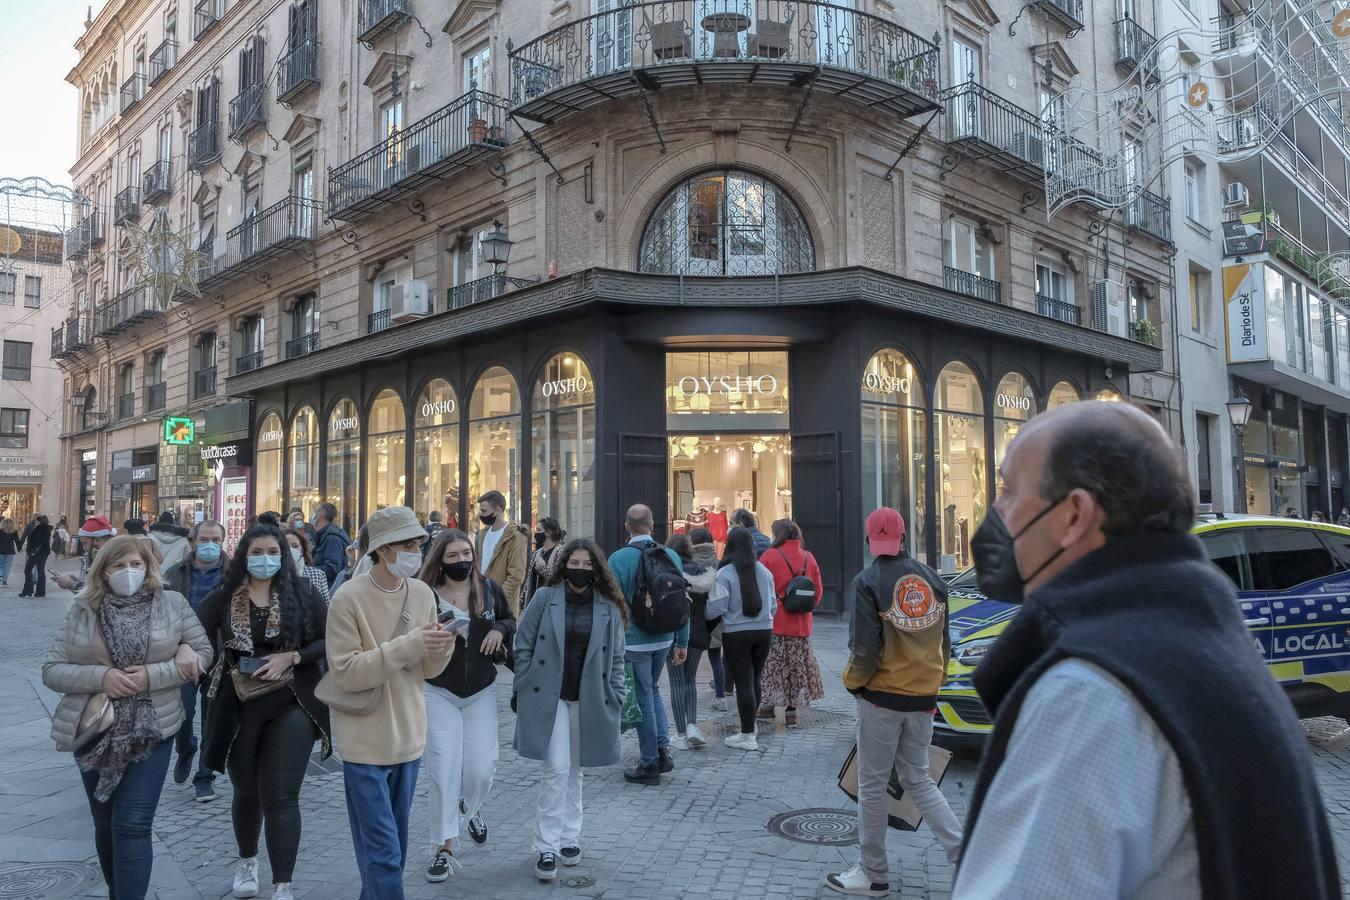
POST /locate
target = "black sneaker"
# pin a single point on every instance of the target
(643, 774)
(439, 870)
(547, 867)
(478, 829)
(206, 791)
(182, 769)
(570, 855)
(664, 760)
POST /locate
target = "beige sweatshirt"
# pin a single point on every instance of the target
(361, 655)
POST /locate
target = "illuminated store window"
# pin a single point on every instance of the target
(386, 450)
(344, 460)
(304, 461)
(562, 434)
(1014, 405)
(962, 469)
(1062, 394)
(436, 449)
(267, 466)
(894, 457)
(494, 439)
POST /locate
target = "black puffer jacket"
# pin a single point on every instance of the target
(701, 573)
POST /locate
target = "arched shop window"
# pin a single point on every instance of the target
(894, 454)
(962, 472)
(386, 452)
(344, 461)
(562, 429)
(436, 449)
(494, 439)
(1014, 404)
(1109, 394)
(267, 466)
(304, 461)
(726, 223)
(1062, 394)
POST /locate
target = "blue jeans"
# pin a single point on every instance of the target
(653, 732)
(185, 741)
(379, 799)
(6, 562)
(122, 825)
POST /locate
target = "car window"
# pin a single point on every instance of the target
(1340, 546)
(1284, 558)
(1227, 550)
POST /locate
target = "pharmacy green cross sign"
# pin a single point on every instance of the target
(179, 431)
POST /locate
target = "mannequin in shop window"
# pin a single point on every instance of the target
(697, 518)
(717, 523)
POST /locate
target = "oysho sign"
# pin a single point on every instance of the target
(725, 385)
(882, 383)
(437, 408)
(568, 387)
(1017, 402)
(342, 426)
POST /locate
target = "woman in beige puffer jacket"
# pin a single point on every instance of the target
(128, 638)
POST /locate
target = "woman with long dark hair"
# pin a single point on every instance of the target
(743, 596)
(568, 707)
(267, 623)
(698, 557)
(548, 546)
(298, 545)
(791, 673)
(461, 752)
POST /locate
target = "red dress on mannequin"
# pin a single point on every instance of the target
(717, 524)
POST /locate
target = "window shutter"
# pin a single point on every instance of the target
(215, 98)
(259, 60)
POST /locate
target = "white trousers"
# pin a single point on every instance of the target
(460, 757)
(558, 821)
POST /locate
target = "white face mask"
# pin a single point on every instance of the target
(299, 557)
(126, 582)
(407, 564)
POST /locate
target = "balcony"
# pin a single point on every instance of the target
(646, 47)
(1144, 331)
(450, 139)
(303, 345)
(248, 362)
(205, 14)
(1068, 13)
(59, 342)
(972, 285)
(1060, 310)
(133, 89)
(203, 145)
(298, 70)
(988, 127)
(127, 309)
(378, 321)
(157, 183)
(477, 291)
(247, 110)
(126, 406)
(1133, 42)
(162, 60)
(127, 206)
(155, 396)
(97, 233)
(274, 231)
(204, 383)
(79, 335)
(78, 239)
(379, 17)
(1152, 215)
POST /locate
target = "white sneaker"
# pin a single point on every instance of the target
(694, 736)
(856, 882)
(678, 742)
(719, 704)
(246, 878)
(282, 891)
(742, 742)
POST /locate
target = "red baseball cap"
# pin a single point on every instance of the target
(885, 531)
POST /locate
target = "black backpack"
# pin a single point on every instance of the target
(799, 594)
(661, 595)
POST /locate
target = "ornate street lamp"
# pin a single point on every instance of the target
(1239, 412)
(496, 247)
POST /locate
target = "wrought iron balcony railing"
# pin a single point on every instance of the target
(204, 383)
(379, 17)
(1151, 214)
(204, 17)
(156, 396)
(302, 345)
(1133, 41)
(128, 308)
(127, 205)
(449, 139)
(471, 292)
(247, 110)
(78, 239)
(636, 47)
(79, 334)
(963, 282)
(298, 70)
(59, 342)
(97, 232)
(1068, 13)
(378, 321)
(126, 406)
(248, 362)
(203, 145)
(1059, 309)
(133, 89)
(990, 126)
(162, 59)
(268, 234)
(157, 183)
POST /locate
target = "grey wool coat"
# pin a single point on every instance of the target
(74, 665)
(538, 681)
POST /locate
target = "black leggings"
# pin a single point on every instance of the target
(267, 765)
(745, 653)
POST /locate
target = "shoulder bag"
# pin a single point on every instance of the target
(98, 713)
(357, 703)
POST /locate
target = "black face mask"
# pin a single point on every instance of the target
(489, 521)
(994, 550)
(539, 539)
(457, 571)
(579, 578)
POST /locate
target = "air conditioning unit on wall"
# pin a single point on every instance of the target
(1108, 307)
(408, 300)
(1236, 194)
(1029, 146)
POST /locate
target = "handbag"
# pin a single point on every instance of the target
(98, 713)
(901, 813)
(357, 703)
(250, 687)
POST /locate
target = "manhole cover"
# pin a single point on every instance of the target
(31, 881)
(816, 826)
(578, 881)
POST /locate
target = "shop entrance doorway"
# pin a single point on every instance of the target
(712, 475)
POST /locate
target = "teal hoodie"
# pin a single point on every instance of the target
(624, 564)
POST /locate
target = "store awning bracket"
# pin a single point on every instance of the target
(538, 149)
(645, 84)
(806, 80)
(913, 142)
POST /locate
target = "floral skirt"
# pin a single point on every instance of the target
(791, 674)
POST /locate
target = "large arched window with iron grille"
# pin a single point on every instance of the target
(726, 222)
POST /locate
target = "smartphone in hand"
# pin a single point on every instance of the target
(457, 627)
(249, 665)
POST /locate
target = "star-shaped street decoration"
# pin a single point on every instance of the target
(1198, 94)
(7, 265)
(165, 259)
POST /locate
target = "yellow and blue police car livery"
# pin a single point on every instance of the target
(1293, 589)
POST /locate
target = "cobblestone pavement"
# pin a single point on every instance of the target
(703, 833)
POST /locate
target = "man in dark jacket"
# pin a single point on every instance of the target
(1140, 746)
(744, 518)
(38, 544)
(330, 542)
(194, 578)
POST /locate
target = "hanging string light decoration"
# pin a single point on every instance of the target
(165, 260)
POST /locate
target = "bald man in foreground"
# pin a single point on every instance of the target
(1140, 747)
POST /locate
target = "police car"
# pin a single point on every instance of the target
(1293, 587)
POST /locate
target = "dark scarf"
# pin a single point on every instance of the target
(125, 624)
(1158, 616)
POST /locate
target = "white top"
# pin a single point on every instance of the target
(490, 540)
(1089, 801)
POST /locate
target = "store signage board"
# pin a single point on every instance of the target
(234, 453)
(1243, 238)
(141, 474)
(89, 456)
(179, 430)
(25, 472)
(1244, 303)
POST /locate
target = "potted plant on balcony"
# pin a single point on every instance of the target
(478, 127)
(1146, 332)
(496, 134)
